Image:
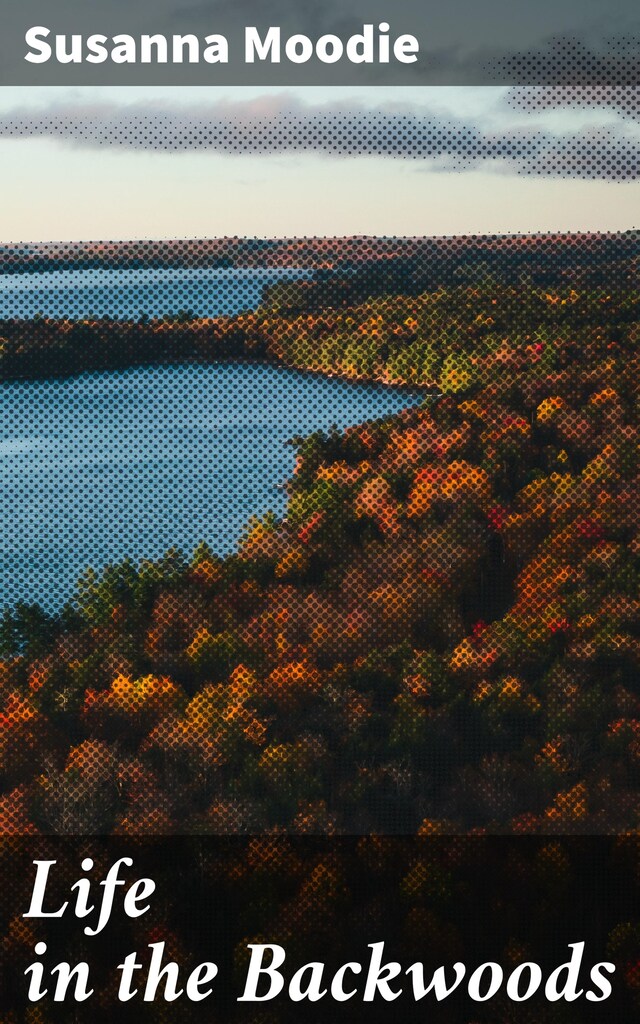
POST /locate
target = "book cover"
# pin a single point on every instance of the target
(319, 555)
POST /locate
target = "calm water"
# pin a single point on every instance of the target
(131, 293)
(98, 467)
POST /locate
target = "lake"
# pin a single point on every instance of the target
(122, 294)
(98, 467)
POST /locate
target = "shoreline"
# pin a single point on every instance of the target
(415, 389)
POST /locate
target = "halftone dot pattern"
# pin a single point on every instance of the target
(437, 629)
(623, 99)
(609, 61)
(433, 902)
(599, 151)
(422, 616)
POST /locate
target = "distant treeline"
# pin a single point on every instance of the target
(431, 258)
(352, 282)
(451, 295)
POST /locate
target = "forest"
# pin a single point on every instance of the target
(440, 635)
(390, 711)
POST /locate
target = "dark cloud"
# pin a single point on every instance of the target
(281, 124)
(624, 100)
(587, 61)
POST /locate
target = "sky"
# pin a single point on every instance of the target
(166, 162)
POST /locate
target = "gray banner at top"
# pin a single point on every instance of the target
(461, 42)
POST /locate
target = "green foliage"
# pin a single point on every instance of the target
(26, 629)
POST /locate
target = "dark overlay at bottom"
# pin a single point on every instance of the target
(265, 929)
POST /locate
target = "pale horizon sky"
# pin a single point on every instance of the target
(57, 186)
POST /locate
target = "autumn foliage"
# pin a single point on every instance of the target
(441, 634)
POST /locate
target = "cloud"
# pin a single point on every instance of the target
(282, 124)
(589, 60)
(621, 99)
